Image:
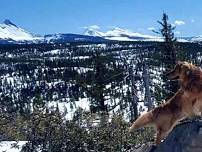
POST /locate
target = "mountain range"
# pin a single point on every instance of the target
(10, 33)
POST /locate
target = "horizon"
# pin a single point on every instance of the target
(48, 17)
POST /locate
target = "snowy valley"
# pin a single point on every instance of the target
(90, 86)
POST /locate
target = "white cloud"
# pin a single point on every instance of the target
(96, 27)
(192, 20)
(151, 28)
(177, 32)
(179, 22)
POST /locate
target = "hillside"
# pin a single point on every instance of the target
(81, 94)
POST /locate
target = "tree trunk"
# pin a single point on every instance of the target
(134, 98)
(146, 78)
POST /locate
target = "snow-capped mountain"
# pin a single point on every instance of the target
(126, 35)
(62, 38)
(12, 33)
(121, 35)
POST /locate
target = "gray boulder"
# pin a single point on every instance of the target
(185, 137)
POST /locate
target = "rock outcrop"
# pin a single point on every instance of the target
(185, 137)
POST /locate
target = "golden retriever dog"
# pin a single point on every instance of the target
(164, 117)
(190, 78)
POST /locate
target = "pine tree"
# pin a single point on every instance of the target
(168, 54)
(98, 86)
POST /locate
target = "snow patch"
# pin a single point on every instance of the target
(8, 146)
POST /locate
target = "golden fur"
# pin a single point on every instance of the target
(190, 78)
(185, 103)
(165, 116)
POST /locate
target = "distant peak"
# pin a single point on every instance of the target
(8, 22)
(118, 29)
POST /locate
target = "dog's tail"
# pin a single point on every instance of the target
(144, 120)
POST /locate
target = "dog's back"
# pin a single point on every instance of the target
(173, 105)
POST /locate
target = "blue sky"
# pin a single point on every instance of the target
(71, 16)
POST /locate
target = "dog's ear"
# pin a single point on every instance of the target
(179, 62)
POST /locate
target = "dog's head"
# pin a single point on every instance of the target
(182, 70)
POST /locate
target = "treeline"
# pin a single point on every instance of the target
(92, 72)
(118, 80)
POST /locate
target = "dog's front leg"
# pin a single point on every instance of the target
(160, 136)
(197, 108)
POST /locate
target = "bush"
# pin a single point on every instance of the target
(51, 131)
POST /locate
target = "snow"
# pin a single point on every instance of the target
(142, 108)
(127, 35)
(121, 35)
(8, 30)
(83, 103)
(56, 51)
(10, 56)
(81, 57)
(196, 38)
(118, 32)
(93, 32)
(7, 146)
(120, 38)
(48, 38)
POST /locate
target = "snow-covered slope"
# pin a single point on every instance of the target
(127, 35)
(196, 38)
(121, 35)
(9, 31)
(63, 38)
(11, 146)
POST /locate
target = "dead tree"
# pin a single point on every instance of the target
(146, 79)
(134, 98)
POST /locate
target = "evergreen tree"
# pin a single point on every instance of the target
(168, 55)
(98, 89)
